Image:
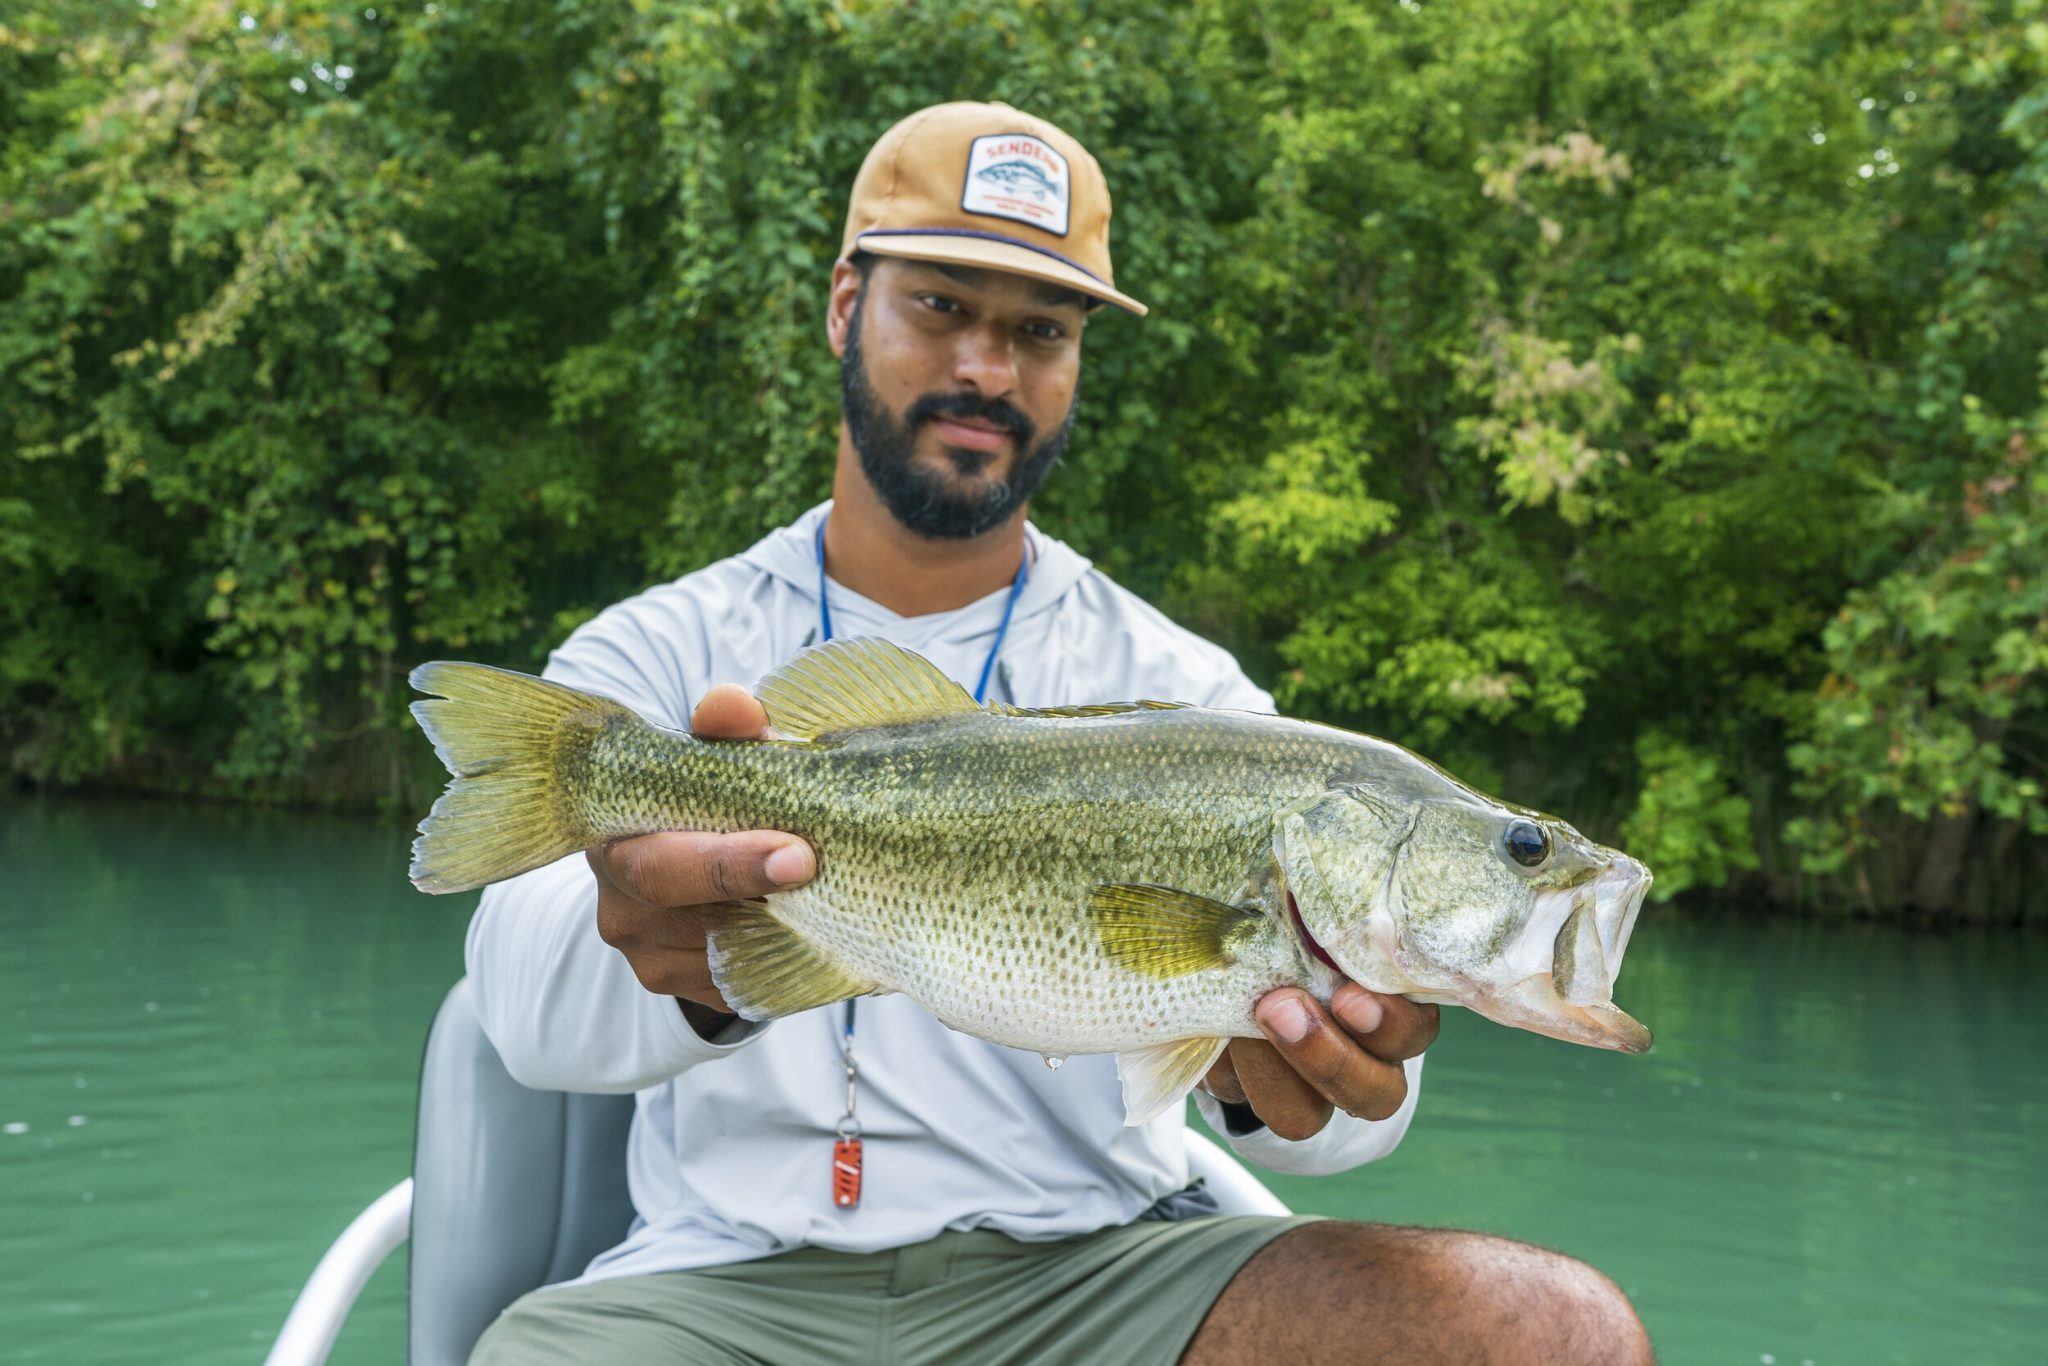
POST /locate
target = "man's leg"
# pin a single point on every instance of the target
(599, 1325)
(807, 1305)
(1337, 1291)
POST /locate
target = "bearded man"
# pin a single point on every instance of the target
(996, 1210)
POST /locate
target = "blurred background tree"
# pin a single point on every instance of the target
(1638, 407)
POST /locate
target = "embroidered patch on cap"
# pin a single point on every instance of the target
(1017, 176)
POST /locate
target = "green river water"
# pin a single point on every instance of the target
(210, 1023)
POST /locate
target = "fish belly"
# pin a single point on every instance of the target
(1024, 972)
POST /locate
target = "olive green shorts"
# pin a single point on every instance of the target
(1130, 1294)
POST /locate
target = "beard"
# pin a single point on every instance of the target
(922, 498)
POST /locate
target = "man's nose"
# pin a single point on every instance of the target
(986, 360)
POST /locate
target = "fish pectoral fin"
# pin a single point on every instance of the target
(1165, 932)
(1156, 1077)
(848, 685)
(766, 970)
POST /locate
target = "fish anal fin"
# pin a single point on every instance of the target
(1165, 932)
(766, 970)
(1156, 1077)
(849, 685)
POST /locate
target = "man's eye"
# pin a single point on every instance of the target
(938, 303)
(1046, 331)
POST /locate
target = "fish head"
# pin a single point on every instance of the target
(1460, 899)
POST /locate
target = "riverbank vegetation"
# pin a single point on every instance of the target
(1638, 407)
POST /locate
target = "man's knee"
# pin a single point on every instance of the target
(1441, 1294)
(1520, 1301)
(1565, 1309)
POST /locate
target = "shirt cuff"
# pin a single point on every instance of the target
(693, 1047)
(1342, 1144)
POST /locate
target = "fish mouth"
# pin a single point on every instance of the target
(1571, 995)
(1604, 1025)
(1599, 916)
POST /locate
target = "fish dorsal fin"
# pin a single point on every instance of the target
(1092, 709)
(847, 685)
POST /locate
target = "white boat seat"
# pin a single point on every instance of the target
(513, 1189)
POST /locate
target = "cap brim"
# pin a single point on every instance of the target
(986, 254)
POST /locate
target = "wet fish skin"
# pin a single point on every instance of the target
(1107, 879)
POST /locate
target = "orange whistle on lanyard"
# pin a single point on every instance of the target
(846, 1173)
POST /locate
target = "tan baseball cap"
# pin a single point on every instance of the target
(989, 186)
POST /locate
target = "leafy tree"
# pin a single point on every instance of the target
(1638, 407)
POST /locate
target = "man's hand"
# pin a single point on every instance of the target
(650, 889)
(1314, 1061)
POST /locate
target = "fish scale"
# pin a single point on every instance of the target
(934, 880)
(1128, 878)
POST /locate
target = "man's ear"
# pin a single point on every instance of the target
(839, 309)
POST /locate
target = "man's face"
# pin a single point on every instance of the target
(958, 387)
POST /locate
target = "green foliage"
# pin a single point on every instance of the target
(1936, 690)
(1687, 825)
(1636, 406)
(1931, 667)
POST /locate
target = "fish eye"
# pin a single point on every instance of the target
(1526, 842)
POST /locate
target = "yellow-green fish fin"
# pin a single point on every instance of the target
(847, 685)
(1161, 1075)
(1165, 932)
(1091, 709)
(766, 970)
(502, 736)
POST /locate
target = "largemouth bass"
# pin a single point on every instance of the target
(1126, 878)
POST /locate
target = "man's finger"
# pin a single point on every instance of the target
(1221, 1081)
(675, 972)
(729, 712)
(680, 868)
(1284, 1102)
(1327, 1057)
(1391, 1028)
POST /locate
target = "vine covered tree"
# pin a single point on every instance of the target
(1645, 423)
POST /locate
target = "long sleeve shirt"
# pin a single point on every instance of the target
(732, 1138)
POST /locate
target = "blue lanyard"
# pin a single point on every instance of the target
(1009, 606)
(849, 1126)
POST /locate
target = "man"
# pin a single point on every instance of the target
(994, 1209)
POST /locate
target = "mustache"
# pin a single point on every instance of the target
(975, 406)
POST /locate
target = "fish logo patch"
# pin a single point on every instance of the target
(1017, 176)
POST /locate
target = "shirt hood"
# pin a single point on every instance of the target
(790, 554)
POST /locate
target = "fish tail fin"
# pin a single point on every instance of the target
(504, 737)
(1163, 1074)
